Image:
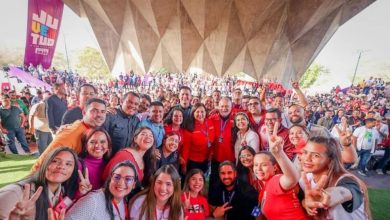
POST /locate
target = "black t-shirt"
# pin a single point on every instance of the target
(242, 198)
(72, 115)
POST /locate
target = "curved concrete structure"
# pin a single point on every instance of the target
(276, 39)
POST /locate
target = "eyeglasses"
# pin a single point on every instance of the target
(128, 179)
(254, 103)
(246, 156)
(271, 119)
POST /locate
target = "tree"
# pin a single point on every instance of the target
(92, 65)
(312, 74)
(59, 61)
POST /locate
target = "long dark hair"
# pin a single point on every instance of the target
(107, 194)
(69, 187)
(168, 118)
(186, 187)
(235, 129)
(191, 119)
(149, 157)
(87, 135)
(242, 171)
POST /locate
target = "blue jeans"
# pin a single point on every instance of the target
(364, 156)
(385, 159)
(43, 140)
(20, 136)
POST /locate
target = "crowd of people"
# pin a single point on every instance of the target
(179, 146)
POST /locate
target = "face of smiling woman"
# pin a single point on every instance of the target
(60, 168)
(97, 145)
(163, 188)
(122, 182)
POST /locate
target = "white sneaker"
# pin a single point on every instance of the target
(379, 171)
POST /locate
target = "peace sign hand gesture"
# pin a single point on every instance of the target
(25, 209)
(220, 210)
(84, 184)
(187, 202)
(275, 142)
(316, 197)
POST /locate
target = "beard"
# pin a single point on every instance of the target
(296, 120)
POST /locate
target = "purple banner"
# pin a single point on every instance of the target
(43, 27)
(28, 78)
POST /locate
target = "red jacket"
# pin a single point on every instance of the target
(223, 148)
(197, 144)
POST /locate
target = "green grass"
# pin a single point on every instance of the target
(15, 167)
(379, 203)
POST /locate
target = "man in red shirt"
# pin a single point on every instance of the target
(222, 147)
(272, 117)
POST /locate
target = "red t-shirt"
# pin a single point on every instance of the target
(199, 209)
(279, 204)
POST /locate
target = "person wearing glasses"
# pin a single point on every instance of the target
(256, 113)
(111, 201)
(273, 125)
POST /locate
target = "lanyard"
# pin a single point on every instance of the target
(206, 133)
(230, 198)
(162, 214)
(127, 217)
(222, 128)
(58, 202)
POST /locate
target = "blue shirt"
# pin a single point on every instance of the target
(157, 130)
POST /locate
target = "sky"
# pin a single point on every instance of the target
(369, 32)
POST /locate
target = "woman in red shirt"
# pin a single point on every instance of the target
(198, 139)
(279, 197)
(140, 153)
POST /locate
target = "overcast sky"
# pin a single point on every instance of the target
(368, 31)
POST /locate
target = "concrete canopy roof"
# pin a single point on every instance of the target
(275, 39)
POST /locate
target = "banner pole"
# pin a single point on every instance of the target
(66, 52)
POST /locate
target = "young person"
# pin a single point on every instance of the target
(193, 196)
(140, 153)
(55, 181)
(111, 201)
(279, 195)
(331, 192)
(161, 200)
(168, 153)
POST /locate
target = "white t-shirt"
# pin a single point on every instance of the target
(366, 138)
(135, 210)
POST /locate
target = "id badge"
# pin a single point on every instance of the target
(256, 212)
(209, 144)
(220, 139)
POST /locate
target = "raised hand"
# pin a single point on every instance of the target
(187, 202)
(316, 197)
(275, 142)
(295, 84)
(220, 210)
(53, 215)
(84, 184)
(26, 208)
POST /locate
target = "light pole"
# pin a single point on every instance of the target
(356, 67)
